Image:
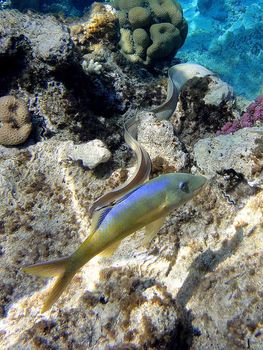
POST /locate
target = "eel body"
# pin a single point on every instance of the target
(178, 75)
(135, 204)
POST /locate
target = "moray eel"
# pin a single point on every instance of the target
(145, 206)
(136, 204)
(178, 75)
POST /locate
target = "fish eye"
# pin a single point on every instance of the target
(183, 186)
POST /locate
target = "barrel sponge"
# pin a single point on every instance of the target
(141, 41)
(166, 40)
(139, 17)
(15, 121)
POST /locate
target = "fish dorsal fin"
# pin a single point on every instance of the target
(100, 214)
(152, 229)
(98, 217)
(127, 195)
(110, 250)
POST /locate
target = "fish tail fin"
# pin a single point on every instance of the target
(56, 268)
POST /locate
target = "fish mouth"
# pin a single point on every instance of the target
(202, 181)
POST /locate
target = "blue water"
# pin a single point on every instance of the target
(226, 36)
(67, 7)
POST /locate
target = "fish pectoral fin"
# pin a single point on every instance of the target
(106, 253)
(151, 230)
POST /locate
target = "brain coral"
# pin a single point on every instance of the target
(150, 29)
(15, 122)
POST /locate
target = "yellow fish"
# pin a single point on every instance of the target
(145, 206)
(136, 204)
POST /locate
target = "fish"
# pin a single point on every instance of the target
(258, 131)
(146, 205)
(178, 75)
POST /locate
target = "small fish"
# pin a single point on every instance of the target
(145, 206)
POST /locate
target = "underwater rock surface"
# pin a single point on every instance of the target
(240, 153)
(160, 141)
(198, 285)
(34, 37)
(91, 154)
(139, 296)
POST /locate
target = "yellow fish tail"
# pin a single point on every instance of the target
(53, 268)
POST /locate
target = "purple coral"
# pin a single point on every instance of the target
(253, 113)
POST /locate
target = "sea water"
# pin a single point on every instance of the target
(226, 36)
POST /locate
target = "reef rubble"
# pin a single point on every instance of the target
(198, 285)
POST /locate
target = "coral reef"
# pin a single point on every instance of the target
(139, 297)
(73, 86)
(252, 115)
(100, 28)
(15, 121)
(198, 285)
(91, 154)
(150, 30)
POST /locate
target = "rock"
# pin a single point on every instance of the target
(227, 303)
(205, 104)
(240, 152)
(139, 298)
(39, 38)
(219, 92)
(159, 140)
(91, 153)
